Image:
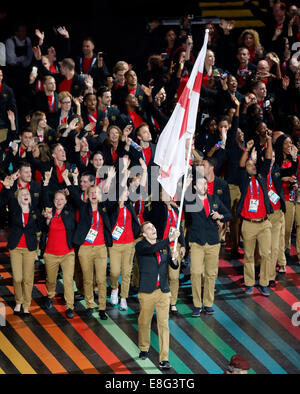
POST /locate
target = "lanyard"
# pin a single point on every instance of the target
(251, 188)
(23, 219)
(174, 215)
(125, 215)
(52, 103)
(91, 66)
(98, 219)
(91, 117)
(83, 196)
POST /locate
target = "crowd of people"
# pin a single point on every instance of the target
(78, 143)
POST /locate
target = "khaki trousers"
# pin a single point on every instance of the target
(174, 277)
(281, 251)
(204, 260)
(298, 230)
(22, 264)
(260, 232)
(121, 261)
(289, 221)
(135, 278)
(277, 221)
(235, 196)
(3, 134)
(94, 259)
(67, 262)
(78, 272)
(148, 302)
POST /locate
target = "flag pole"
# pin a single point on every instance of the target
(184, 187)
(187, 165)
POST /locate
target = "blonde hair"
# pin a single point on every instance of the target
(63, 95)
(18, 194)
(253, 33)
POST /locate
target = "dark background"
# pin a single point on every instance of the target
(117, 27)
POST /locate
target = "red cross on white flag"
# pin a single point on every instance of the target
(171, 146)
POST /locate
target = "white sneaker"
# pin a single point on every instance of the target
(123, 304)
(114, 300)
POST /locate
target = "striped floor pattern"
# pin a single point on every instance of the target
(258, 328)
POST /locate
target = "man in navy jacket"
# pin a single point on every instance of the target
(153, 259)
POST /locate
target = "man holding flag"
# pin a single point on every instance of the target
(206, 212)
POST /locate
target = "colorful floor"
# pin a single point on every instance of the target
(259, 328)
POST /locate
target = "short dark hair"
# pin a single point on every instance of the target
(212, 161)
(102, 90)
(23, 164)
(90, 176)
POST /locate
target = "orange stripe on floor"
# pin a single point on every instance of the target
(33, 342)
(58, 335)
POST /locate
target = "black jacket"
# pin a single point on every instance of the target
(86, 216)
(244, 181)
(68, 215)
(149, 267)
(221, 189)
(113, 211)
(204, 229)
(16, 225)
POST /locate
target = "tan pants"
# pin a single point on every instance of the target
(3, 134)
(135, 278)
(121, 261)
(281, 254)
(94, 259)
(298, 230)
(260, 232)
(235, 196)
(148, 302)
(67, 262)
(22, 264)
(277, 221)
(174, 277)
(204, 260)
(78, 273)
(289, 218)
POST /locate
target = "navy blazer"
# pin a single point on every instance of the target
(244, 181)
(204, 229)
(86, 216)
(68, 215)
(17, 228)
(113, 212)
(149, 267)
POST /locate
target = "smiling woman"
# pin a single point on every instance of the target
(22, 243)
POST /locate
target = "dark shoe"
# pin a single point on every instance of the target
(69, 313)
(249, 290)
(209, 310)
(272, 283)
(144, 355)
(264, 290)
(89, 313)
(287, 252)
(196, 312)
(48, 303)
(78, 296)
(236, 255)
(174, 312)
(164, 365)
(133, 290)
(103, 315)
